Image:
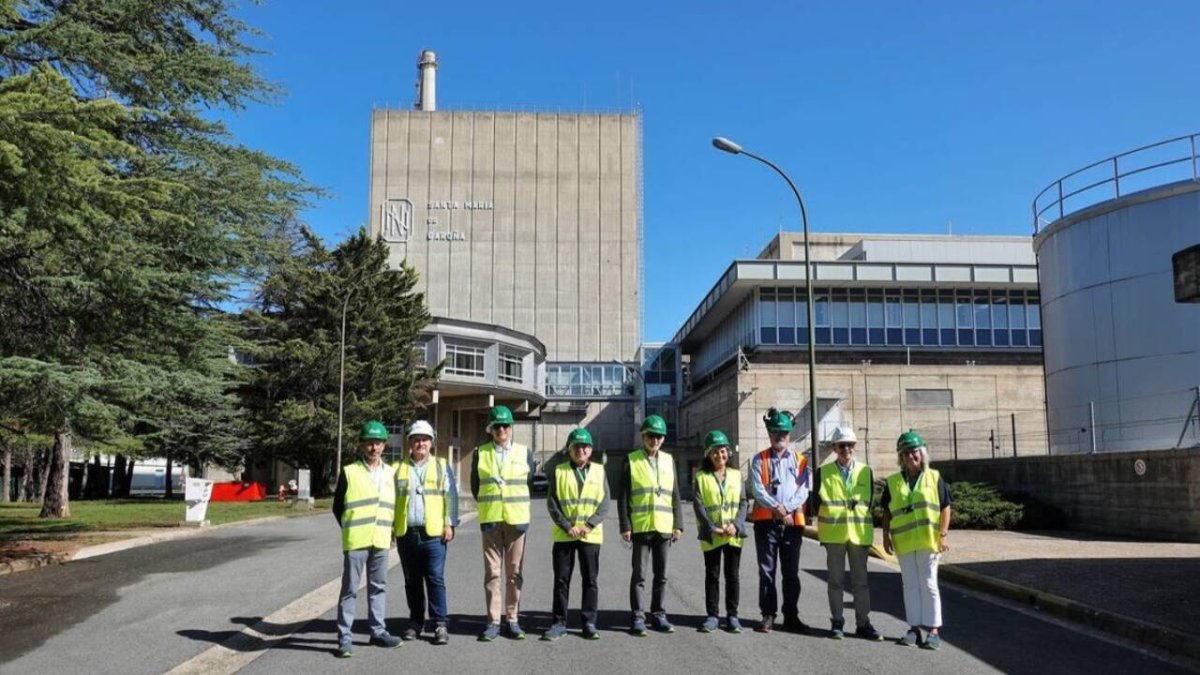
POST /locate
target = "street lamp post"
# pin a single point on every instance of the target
(729, 146)
(342, 365)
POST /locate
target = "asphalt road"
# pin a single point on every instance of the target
(148, 610)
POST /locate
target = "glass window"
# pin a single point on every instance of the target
(875, 319)
(821, 316)
(912, 321)
(858, 321)
(1016, 319)
(929, 334)
(464, 360)
(946, 320)
(840, 311)
(1000, 319)
(767, 317)
(1035, 324)
(786, 307)
(983, 320)
(511, 367)
(965, 311)
(894, 316)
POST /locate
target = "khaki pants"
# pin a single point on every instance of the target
(503, 552)
(835, 558)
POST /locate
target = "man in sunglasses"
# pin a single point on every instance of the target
(501, 474)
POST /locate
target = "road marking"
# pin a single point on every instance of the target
(240, 650)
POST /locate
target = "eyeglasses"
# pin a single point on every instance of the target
(647, 434)
(501, 426)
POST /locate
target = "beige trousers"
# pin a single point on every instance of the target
(503, 554)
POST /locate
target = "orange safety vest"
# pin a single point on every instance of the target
(761, 512)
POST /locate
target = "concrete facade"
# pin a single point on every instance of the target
(1152, 494)
(526, 229)
(530, 221)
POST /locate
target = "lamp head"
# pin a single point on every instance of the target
(722, 143)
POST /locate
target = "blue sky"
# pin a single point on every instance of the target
(890, 116)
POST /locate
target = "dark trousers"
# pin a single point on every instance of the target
(564, 554)
(423, 560)
(648, 546)
(712, 579)
(778, 548)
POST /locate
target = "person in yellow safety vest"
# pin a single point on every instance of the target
(426, 515)
(501, 475)
(778, 486)
(916, 522)
(651, 517)
(577, 499)
(842, 498)
(364, 504)
(719, 500)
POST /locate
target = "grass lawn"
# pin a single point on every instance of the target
(21, 519)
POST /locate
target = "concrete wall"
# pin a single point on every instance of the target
(524, 220)
(1104, 493)
(873, 399)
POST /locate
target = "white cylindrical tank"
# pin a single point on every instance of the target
(1116, 342)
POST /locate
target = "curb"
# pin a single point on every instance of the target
(1130, 628)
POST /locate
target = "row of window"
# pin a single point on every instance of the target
(588, 380)
(468, 361)
(909, 317)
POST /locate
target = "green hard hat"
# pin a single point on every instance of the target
(778, 421)
(715, 439)
(373, 431)
(579, 436)
(654, 425)
(499, 415)
(908, 440)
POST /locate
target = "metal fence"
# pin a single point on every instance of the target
(1151, 165)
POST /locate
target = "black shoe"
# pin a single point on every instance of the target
(793, 624)
(868, 632)
(410, 634)
(386, 641)
(766, 625)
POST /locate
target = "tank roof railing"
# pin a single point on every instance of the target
(1053, 198)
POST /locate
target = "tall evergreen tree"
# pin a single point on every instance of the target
(291, 392)
(126, 218)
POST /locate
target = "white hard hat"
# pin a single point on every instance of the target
(420, 428)
(843, 435)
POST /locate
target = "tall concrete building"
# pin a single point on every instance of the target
(526, 229)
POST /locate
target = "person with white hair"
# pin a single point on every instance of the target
(842, 499)
(916, 522)
(426, 515)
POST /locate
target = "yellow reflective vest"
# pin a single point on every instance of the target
(503, 490)
(651, 508)
(915, 512)
(368, 514)
(576, 504)
(845, 513)
(720, 505)
(432, 492)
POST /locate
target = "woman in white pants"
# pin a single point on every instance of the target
(916, 521)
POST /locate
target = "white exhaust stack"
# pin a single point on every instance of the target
(427, 82)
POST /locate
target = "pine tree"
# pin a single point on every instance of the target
(291, 391)
(126, 219)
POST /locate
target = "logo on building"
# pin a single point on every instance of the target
(397, 221)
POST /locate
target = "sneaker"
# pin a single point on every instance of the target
(662, 625)
(734, 626)
(344, 651)
(837, 630)
(911, 639)
(590, 632)
(710, 624)
(386, 640)
(513, 628)
(555, 631)
(441, 635)
(793, 624)
(638, 628)
(410, 634)
(932, 641)
(490, 633)
(868, 632)
(767, 624)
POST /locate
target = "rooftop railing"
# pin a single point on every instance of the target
(1151, 165)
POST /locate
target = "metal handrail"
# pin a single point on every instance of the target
(1059, 194)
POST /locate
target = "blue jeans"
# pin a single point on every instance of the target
(778, 548)
(375, 562)
(423, 559)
